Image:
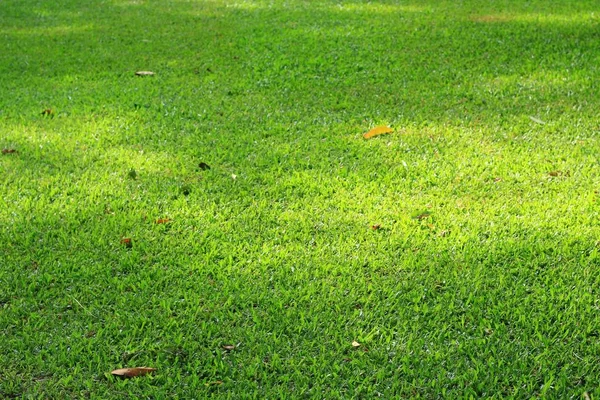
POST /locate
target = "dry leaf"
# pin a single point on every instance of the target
(355, 344)
(376, 227)
(422, 215)
(228, 347)
(233, 176)
(132, 372)
(203, 166)
(48, 111)
(144, 73)
(379, 130)
(555, 173)
(8, 151)
(127, 242)
(163, 220)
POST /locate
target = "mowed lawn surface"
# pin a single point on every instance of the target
(461, 252)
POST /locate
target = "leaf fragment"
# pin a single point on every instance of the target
(376, 227)
(48, 111)
(163, 220)
(355, 344)
(9, 151)
(144, 73)
(132, 372)
(127, 242)
(228, 347)
(422, 215)
(378, 130)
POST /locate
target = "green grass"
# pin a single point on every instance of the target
(494, 294)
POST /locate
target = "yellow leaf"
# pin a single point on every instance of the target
(379, 130)
(355, 344)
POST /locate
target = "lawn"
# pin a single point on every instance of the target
(225, 222)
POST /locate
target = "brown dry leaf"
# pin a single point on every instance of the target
(422, 215)
(379, 130)
(144, 73)
(133, 372)
(376, 227)
(163, 220)
(8, 151)
(127, 242)
(555, 173)
(355, 344)
(228, 347)
(48, 111)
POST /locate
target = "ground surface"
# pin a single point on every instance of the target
(482, 280)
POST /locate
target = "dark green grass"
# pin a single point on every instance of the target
(493, 294)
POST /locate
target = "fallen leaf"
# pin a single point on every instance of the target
(144, 73)
(163, 220)
(228, 347)
(233, 176)
(376, 227)
(8, 151)
(355, 344)
(127, 242)
(379, 130)
(555, 173)
(48, 111)
(422, 215)
(347, 359)
(536, 120)
(132, 372)
(203, 166)
(497, 179)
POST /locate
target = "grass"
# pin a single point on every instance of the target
(483, 280)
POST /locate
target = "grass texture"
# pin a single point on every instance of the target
(253, 278)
